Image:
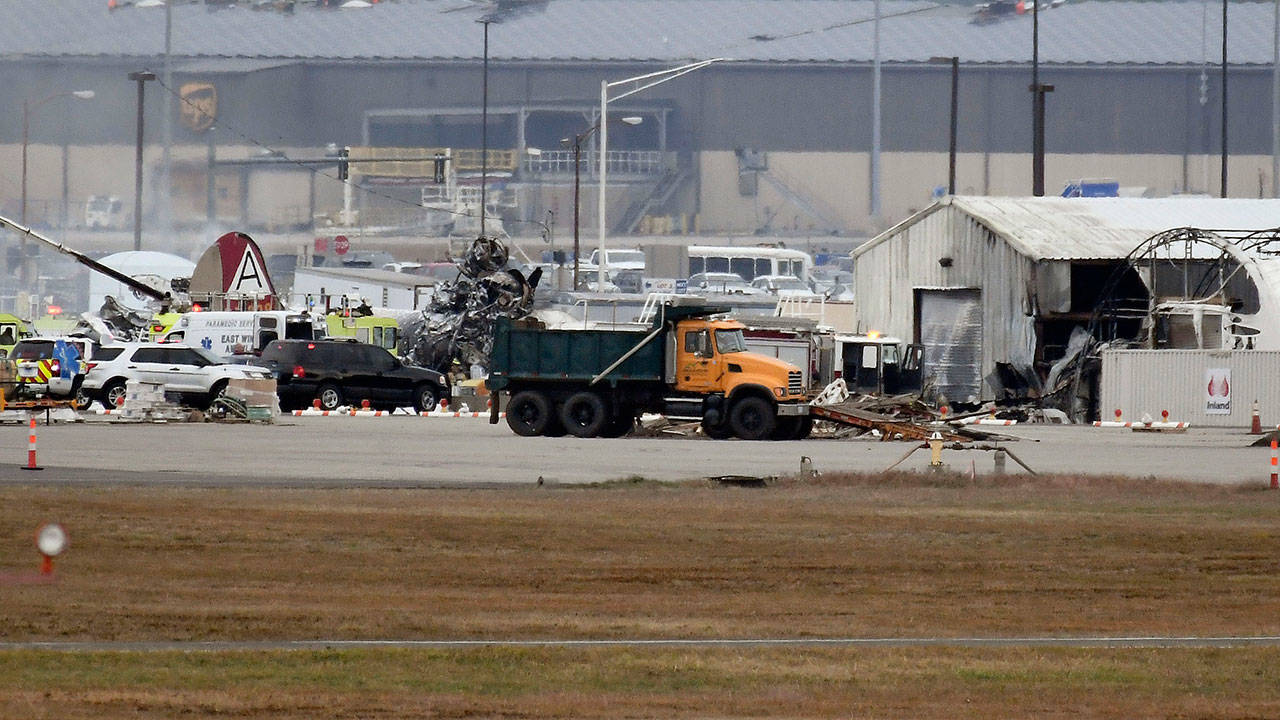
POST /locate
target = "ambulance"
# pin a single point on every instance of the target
(238, 332)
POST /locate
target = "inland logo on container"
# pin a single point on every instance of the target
(1217, 391)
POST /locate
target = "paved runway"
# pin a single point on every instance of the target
(413, 451)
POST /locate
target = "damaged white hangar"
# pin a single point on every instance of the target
(994, 286)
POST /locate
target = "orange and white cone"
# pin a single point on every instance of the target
(1256, 428)
(31, 448)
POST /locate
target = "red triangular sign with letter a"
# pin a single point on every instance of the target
(234, 267)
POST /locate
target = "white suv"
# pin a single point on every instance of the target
(195, 374)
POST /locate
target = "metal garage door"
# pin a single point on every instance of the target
(951, 332)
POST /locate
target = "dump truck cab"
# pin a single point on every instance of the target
(711, 356)
(743, 393)
(876, 364)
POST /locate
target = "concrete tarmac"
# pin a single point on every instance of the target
(430, 452)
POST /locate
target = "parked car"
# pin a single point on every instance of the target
(784, 286)
(195, 375)
(724, 283)
(338, 372)
(54, 366)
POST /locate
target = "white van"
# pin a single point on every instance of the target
(232, 332)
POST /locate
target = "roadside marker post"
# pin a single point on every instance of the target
(935, 451)
(31, 446)
(51, 540)
(1275, 479)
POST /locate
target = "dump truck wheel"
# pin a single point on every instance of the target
(752, 419)
(584, 414)
(529, 413)
(330, 396)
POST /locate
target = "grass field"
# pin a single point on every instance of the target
(903, 556)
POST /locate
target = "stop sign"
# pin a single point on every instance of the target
(322, 244)
(341, 245)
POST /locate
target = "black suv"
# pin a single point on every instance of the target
(338, 372)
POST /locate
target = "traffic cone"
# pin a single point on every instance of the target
(31, 447)
(1256, 428)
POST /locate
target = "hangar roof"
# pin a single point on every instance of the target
(1085, 32)
(1095, 228)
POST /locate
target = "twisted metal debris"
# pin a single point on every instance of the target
(458, 324)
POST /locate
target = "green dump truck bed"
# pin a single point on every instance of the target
(523, 354)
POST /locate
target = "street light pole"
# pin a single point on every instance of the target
(484, 124)
(577, 195)
(141, 78)
(578, 139)
(1224, 98)
(641, 82)
(955, 109)
(1037, 106)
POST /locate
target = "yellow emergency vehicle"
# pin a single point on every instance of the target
(381, 331)
(12, 329)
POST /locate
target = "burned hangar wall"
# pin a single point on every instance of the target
(944, 264)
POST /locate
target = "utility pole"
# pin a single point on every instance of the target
(484, 125)
(141, 78)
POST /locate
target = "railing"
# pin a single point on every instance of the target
(625, 162)
(392, 162)
(799, 306)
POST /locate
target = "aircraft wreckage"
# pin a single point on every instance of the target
(457, 326)
(1185, 288)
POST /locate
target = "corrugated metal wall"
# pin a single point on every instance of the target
(889, 274)
(1149, 381)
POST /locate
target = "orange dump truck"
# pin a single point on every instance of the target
(690, 363)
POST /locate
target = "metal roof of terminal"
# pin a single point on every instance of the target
(1054, 228)
(667, 31)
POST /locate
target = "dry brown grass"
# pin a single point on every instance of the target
(893, 556)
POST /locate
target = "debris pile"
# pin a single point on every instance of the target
(458, 324)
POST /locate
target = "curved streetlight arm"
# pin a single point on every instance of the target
(657, 78)
(642, 82)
